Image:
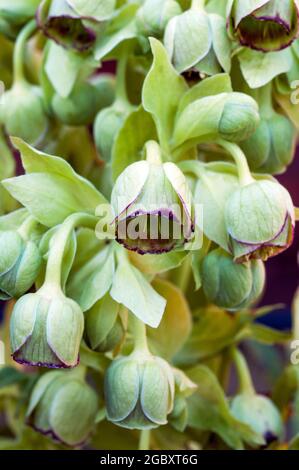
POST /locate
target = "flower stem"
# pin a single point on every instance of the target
(19, 50)
(60, 240)
(121, 81)
(198, 4)
(153, 152)
(238, 155)
(144, 440)
(245, 381)
(140, 339)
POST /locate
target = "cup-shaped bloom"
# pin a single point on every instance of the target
(107, 124)
(22, 112)
(46, 329)
(153, 207)
(153, 16)
(198, 42)
(260, 414)
(61, 23)
(139, 391)
(271, 148)
(63, 406)
(260, 220)
(231, 285)
(20, 262)
(78, 109)
(267, 25)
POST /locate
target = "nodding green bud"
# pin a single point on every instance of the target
(260, 414)
(260, 220)
(155, 214)
(18, 12)
(230, 285)
(79, 108)
(61, 23)
(240, 117)
(20, 262)
(197, 42)
(46, 329)
(268, 25)
(103, 325)
(139, 391)
(271, 148)
(107, 124)
(104, 85)
(22, 112)
(153, 16)
(63, 406)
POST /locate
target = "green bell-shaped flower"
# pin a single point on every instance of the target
(260, 220)
(153, 205)
(46, 329)
(103, 325)
(107, 124)
(139, 391)
(153, 16)
(20, 263)
(78, 109)
(22, 112)
(264, 25)
(63, 407)
(198, 42)
(271, 148)
(260, 414)
(231, 285)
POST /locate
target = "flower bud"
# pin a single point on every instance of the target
(259, 413)
(22, 112)
(260, 220)
(104, 328)
(271, 27)
(61, 23)
(271, 148)
(104, 85)
(78, 109)
(63, 407)
(46, 329)
(153, 16)
(20, 262)
(107, 124)
(17, 13)
(198, 41)
(154, 215)
(230, 285)
(240, 117)
(139, 391)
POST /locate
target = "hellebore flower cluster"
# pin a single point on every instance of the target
(133, 259)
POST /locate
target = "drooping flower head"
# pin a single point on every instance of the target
(153, 205)
(264, 25)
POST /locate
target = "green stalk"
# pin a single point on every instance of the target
(198, 4)
(144, 441)
(240, 159)
(140, 339)
(60, 240)
(121, 80)
(19, 50)
(153, 152)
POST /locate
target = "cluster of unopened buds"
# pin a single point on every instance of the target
(134, 242)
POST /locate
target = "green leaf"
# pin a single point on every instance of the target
(259, 68)
(162, 90)
(212, 191)
(175, 327)
(11, 376)
(93, 280)
(266, 335)
(220, 83)
(137, 129)
(52, 190)
(121, 28)
(131, 289)
(153, 264)
(13, 220)
(98, 10)
(100, 320)
(208, 410)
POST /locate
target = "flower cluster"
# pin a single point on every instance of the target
(134, 237)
